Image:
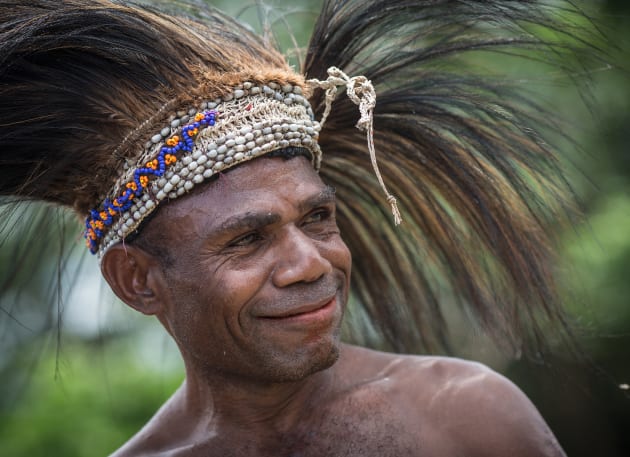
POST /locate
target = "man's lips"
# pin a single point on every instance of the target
(320, 311)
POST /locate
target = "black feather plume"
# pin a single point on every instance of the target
(467, 149)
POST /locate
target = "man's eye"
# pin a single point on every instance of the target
(246, 239)
(317, 216)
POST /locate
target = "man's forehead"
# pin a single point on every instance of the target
(254, 186)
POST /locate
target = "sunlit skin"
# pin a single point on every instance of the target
(252, 285)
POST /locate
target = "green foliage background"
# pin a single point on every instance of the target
(78, 388)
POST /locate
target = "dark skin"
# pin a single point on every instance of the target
(252, 288)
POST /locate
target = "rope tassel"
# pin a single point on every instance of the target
(361, 91)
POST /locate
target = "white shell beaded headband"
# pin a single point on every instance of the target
(249, 122)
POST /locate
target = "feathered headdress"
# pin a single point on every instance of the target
(85, 86)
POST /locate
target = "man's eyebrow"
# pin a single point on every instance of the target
(247, 221)
(326, 196)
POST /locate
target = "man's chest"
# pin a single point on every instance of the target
(354, 432)
(384, 441)
(376, 435)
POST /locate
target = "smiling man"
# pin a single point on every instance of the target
(196, 153)
(254, 282)
(252, 285)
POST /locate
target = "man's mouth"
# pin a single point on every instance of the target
(313, 313)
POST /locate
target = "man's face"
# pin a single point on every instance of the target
(259, 275)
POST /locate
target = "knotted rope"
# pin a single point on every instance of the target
(361, 91)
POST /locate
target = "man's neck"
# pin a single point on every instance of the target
(228, 401)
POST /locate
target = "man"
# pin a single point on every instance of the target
(253, 293)
(193, 149)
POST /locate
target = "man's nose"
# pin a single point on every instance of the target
(299, 260)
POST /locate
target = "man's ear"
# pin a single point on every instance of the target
(135, 276)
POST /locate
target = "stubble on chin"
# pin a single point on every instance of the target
(296, 367)
(270, 366)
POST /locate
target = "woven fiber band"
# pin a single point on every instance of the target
(250, 122)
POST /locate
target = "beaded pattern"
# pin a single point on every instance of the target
(249, 122)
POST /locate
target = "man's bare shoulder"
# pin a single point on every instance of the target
(161, 434)
(458, 406)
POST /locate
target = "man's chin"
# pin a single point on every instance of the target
(298, 365)
(327, 360)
